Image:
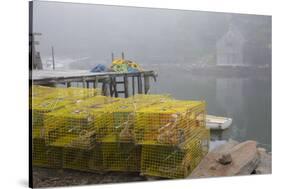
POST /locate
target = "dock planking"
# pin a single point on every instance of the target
(85, 77)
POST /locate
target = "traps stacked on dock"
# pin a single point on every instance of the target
(85, 116)
(42, 155)
(123, 114)
(168, 122)
(119, 150)
(48, 99)
(174, 161)
(45, 100)
(152, 134)
(120, 155)
(173, 137)
(76, 129)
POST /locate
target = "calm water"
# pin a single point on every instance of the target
(246, 100)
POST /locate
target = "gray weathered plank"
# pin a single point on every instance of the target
(244, 161)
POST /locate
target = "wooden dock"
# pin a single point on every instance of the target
(140, 81)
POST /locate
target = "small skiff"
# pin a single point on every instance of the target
(217, 123)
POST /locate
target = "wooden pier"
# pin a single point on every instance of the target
(109, 81)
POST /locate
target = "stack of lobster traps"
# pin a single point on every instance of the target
(155, 135)
(173, 137)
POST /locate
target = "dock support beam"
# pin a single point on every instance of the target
(68, 84)
(84, 82)
(133, 85)
(105, 86)
(126, 91)
(140, 83)
(111, 90)
(115, 87)
(146, 84)
(96, 82)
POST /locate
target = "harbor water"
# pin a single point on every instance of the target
(247, 100)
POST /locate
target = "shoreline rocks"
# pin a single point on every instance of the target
(233, 158)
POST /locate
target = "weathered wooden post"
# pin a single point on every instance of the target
(105, 86)
(115, 87)
(53, 57)
(140, 83)
(111, 86)
(133, 85)
(146, 84)
(96, 82)
(126, 92)
(84, 82)
(68, 84)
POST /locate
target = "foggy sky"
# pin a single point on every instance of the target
(144, 34)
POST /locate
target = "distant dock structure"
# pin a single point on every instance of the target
(112, 83)
(230, 48)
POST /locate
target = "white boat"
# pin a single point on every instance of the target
(217, 123)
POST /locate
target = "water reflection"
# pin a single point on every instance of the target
(230, 101)
(247, 100)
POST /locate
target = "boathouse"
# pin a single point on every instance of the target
(230, 48)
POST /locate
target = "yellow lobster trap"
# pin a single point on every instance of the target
(44, 92)
(120, 155)
(42, 154)
(39, 149)
(175, 161)
(40, 107)
(83, 159)
(89, 116)
(48, 99)
(75, 130)
(45, 100)
(169, 122)
(78, 129)
(122, 115)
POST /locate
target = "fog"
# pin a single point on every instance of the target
(170, 42)
(146, 35)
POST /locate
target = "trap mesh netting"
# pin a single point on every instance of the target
(79, 129)
(45, 100)
(175, 161)
(169, 122)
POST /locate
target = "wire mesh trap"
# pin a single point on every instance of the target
(120, 156)
(44, 155)
(123, 115)
(169, 122)
(45, 100)
(82, 159)
(81, 130)
(169, 161)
